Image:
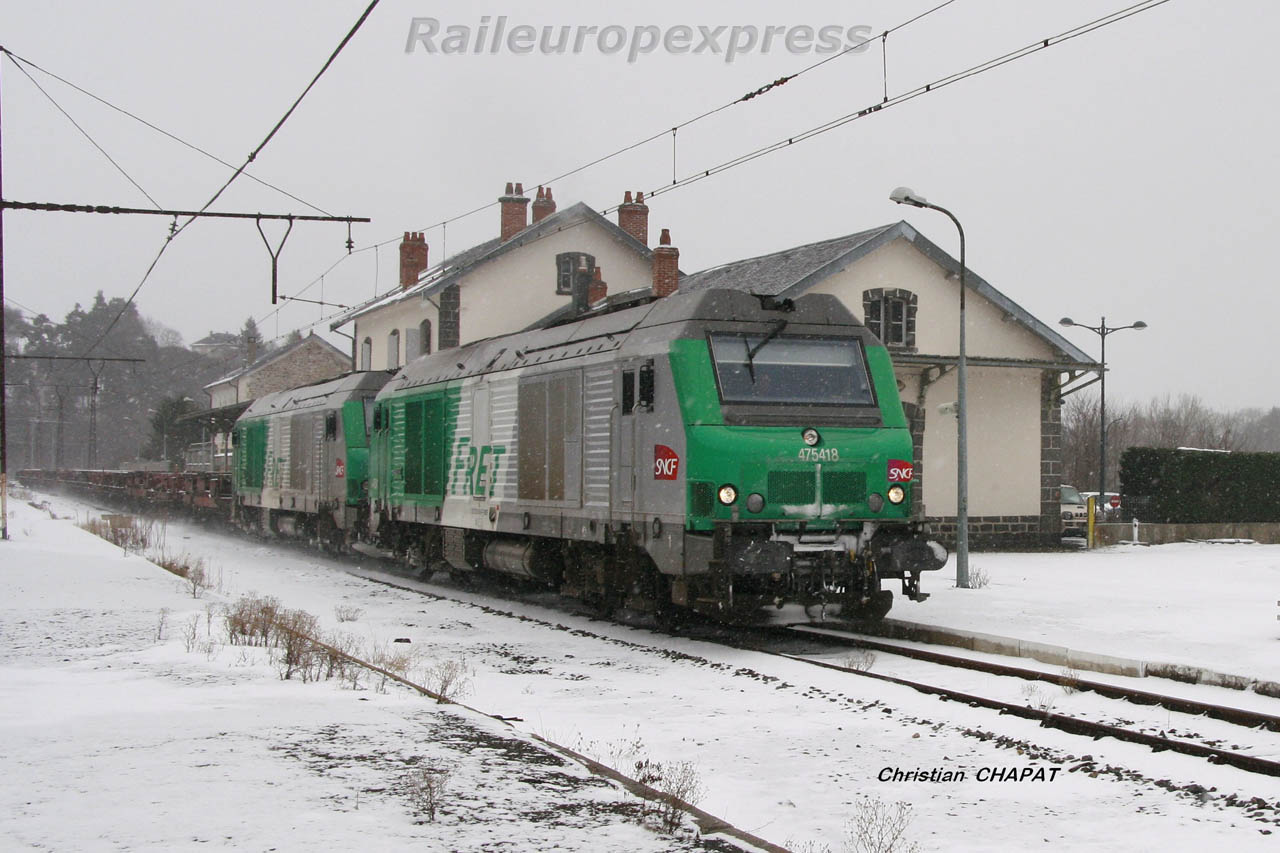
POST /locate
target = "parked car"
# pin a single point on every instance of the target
(1075, 515)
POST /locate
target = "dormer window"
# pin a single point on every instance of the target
(569, 263)
(891, 316)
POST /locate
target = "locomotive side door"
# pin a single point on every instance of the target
(629, 411)
(380, 454)
(479, 464)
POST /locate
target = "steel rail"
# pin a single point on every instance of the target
(1237, 716)
(1071, 725)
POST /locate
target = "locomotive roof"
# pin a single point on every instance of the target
(628, 329)
(327, 394)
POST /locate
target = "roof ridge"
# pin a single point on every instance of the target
(866, 232)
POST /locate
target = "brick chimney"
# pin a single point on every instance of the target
(666, 266)
(515, 217)
(633, 217)
(597, 290)
(543, 206)
(413, 258)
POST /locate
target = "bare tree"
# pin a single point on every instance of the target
(1161, 422)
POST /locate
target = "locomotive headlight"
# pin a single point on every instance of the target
(755, 502)
(875, 503)
(728, 494)
(897, 494)
(811, 437)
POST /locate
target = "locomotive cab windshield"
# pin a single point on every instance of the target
(778, 369)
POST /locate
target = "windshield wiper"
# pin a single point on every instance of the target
(778, 326)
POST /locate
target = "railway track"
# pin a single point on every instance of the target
(1236, 716)
(1046, 717)
(1074, 725)
(761, 640)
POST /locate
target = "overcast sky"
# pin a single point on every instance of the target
(1128, 173)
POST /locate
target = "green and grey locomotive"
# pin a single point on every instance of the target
(737, 455)
(300, 459)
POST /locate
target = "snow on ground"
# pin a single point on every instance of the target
(1212, 606)
(115, 740)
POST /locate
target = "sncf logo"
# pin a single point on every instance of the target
(666, 463)
(901, 471)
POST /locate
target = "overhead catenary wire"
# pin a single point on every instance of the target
(22, 60)
(85, 134)
(673, 129)
(239, 171)
(911, 94)
(689, 121)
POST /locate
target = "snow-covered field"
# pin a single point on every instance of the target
(113, 739)
(1212, 606)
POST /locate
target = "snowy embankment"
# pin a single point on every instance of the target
(128, 722)
(115, 739)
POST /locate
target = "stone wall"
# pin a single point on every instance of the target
(1050, 458)
(1264, 532)
(312, 362)
(991, 532)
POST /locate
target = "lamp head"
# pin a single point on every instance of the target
(1139, 325)
(906, 195)
(1066, 321)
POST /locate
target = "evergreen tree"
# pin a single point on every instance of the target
(251, 340)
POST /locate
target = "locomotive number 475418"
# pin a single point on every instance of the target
(819, 454)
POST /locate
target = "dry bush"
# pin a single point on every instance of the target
(448, 679)
(394, 660)
(1070, 681)
(126, 532)
(879, 827)
(978, 578)
(347, 612)
(341, 649)
(250, 618)
(191, 632)
(1037, 698)
(193, 571)
(197, 579)
(162, 624)
(293, 633)
(806, 846)
(425, 788)
(860, 660)
(678, 781)
(625, 749)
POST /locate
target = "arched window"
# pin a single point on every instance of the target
(891, 316)
(393, 349)
(366, 354)
(424, 338)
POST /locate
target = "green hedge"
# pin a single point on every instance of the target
(1195, 487)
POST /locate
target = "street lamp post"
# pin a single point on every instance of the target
(1102, 330)
(905, 195)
